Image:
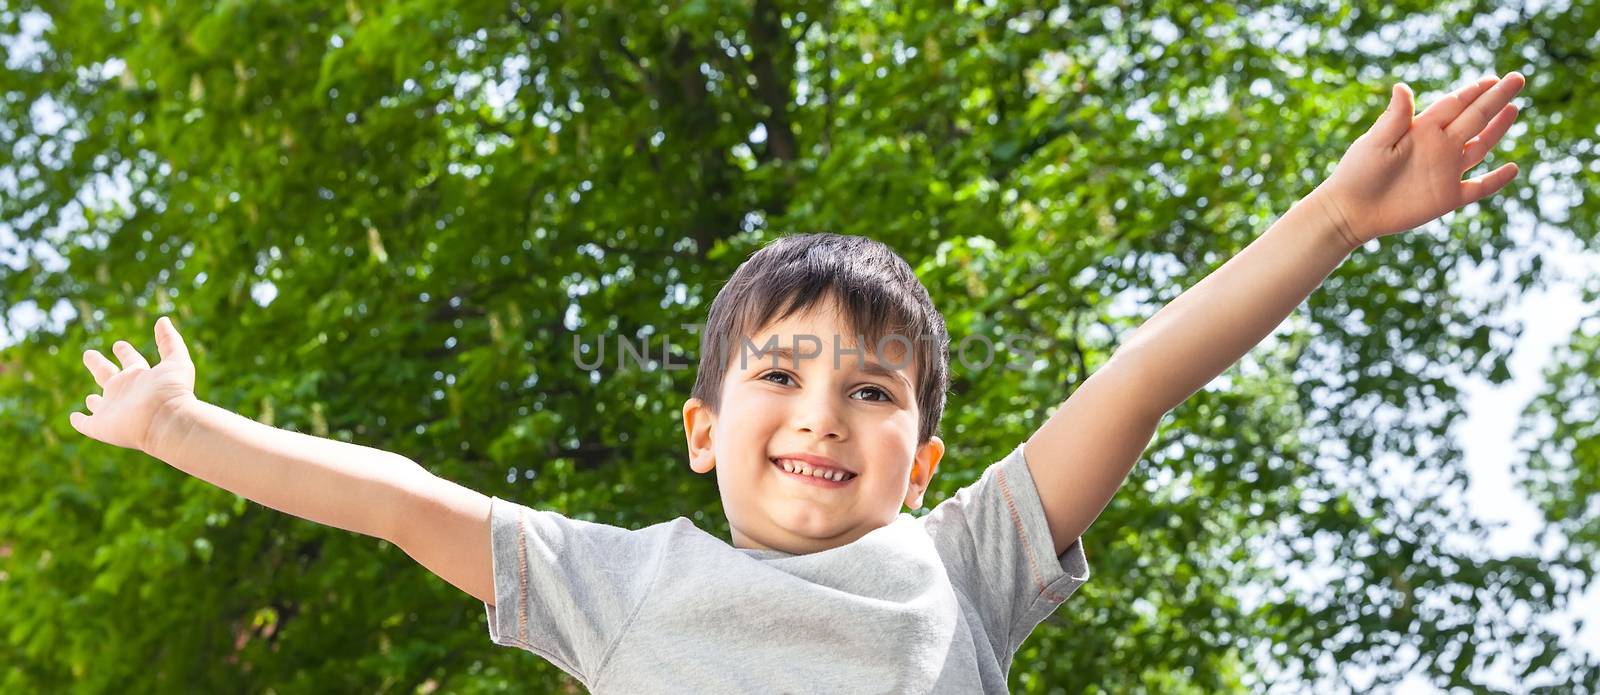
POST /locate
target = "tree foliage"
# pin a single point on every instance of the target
(393, 223)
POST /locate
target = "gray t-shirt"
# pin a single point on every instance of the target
(937, 603)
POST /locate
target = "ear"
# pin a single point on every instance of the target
(698, 421)
(922, 470)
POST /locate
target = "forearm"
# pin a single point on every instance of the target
(1209, 327)
(348, 486)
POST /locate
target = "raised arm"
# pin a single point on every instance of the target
(1401, 173)
(334, 483)
(1081, 455)
(356, 488)
(440, 524)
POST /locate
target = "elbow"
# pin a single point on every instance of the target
(405, 491)
(1129, 384)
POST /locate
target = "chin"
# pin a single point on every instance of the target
(814, 527)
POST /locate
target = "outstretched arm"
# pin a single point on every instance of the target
(333, 483)
(154, 409)
(442, 525)
(1401, 173)
(1081, 455)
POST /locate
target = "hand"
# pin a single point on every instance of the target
(137, 395)
(1403, 173)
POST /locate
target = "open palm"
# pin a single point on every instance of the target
(136, 393)
(1405, 171)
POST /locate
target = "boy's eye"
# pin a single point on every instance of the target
(764, 376)
(885, 397)
(885, 394)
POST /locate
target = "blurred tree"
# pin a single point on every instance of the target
(394, 224)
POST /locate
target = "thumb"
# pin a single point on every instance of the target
(1396, 120)
(80, 422)
(168, 342)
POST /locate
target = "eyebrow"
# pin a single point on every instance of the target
(868, 366)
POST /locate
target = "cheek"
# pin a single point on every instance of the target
(748, 419)
(897, 430)
(893, 423)
(757, 409)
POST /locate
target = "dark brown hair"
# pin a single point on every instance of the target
(874, 287)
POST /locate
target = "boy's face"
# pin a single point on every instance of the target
(866, 422)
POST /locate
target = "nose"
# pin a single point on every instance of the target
(820, 415)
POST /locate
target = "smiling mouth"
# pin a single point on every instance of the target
(814, 479)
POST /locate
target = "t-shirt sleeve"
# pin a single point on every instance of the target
(564, 588)
(996, 545)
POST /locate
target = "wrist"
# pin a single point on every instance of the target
(1337, 219)
(168, 426)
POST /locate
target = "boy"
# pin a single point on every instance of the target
(826, 586)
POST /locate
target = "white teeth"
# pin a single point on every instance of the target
(835, 476)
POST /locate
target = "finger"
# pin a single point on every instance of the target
(1444, 111)
(92, 402)
(1396, 120)
(80, 422)
(1477, 114)
(1473, 153)
(102, 368)
(129, 356)
(168, 342)
(1474, 190)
